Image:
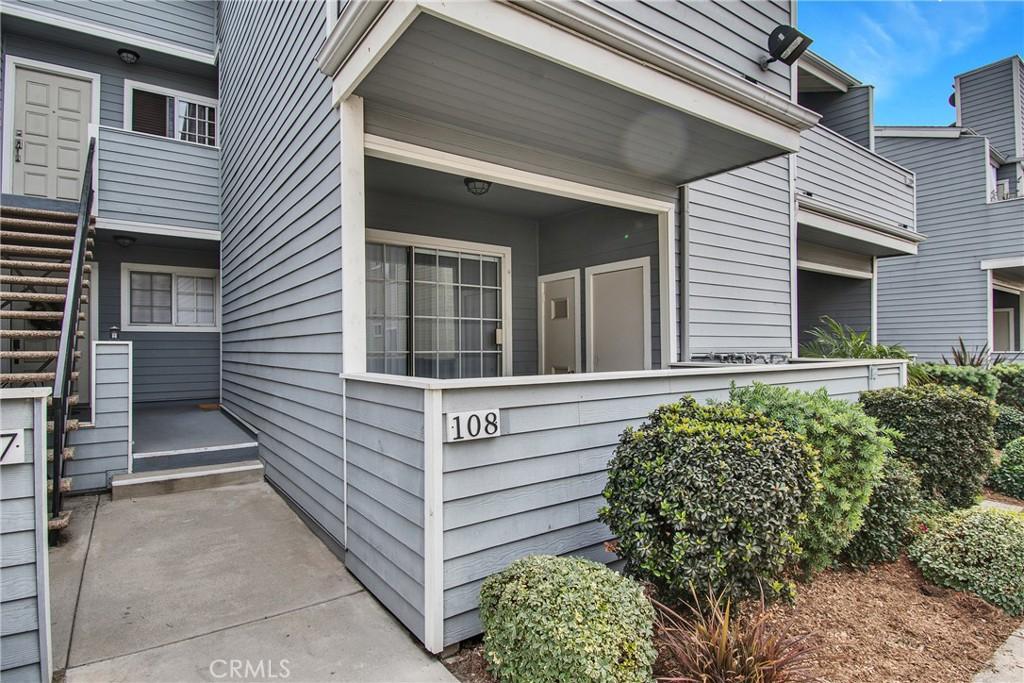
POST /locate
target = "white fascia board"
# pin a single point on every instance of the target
(112, 34)
(826, 71)
(918, 131)
(118, 225)
(759, 113)
(853, 230)
(1009, 262)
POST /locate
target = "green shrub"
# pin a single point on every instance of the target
(979, 379)
(976, 550)
(946, 432)
(1008, 477)
(553, 619)
(709, 496)
(1009, 425)
(836, 340)
(1011, 384)
(887, 518)
(851, 447)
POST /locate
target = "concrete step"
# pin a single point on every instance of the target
(217, 455)
(141, 484)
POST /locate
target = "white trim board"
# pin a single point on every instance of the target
(433, 522)
(403, 239)
(542, 316)
(1009, 262)
(12, 62)
(198, 449)
(112, 34)
(128, 268)
(42, 554)
(827, 269)
(644, 263)
(118, 225)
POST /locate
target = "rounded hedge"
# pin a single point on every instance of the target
(712, 497)
(977, 550)
(1008, 477)
(980, 379)
(946, 432)
(1009, 425)
(851, 448)
(1011, 384)
(895, 498)
(552, 619)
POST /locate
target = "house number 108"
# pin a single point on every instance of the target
(478, 424)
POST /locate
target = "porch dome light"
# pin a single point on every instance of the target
(477, 186)
(128, 56)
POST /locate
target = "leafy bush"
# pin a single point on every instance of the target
(552, 619)
(1011, 384)
(1009, 425)
(946, 432)
(1008, 477)
(980, 380)
(851, 447)
(977, 550)
(836, 340)
(887, 518)
(709, 496)
(709, 644)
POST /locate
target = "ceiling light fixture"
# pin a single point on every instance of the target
(477, 186)
(124, 241)
(128, 56)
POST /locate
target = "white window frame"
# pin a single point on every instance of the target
(128, 268)
(644, 263)
(404, 239)
(131, 86)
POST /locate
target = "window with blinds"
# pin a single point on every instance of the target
(182, 117)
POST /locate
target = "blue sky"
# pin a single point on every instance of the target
(910, 51)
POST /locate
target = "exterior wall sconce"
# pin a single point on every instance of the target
(785, 44)
(477, 186)
(128, 56)
(115, 332)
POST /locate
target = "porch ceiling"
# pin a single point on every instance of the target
(857, 238)
(440, 74)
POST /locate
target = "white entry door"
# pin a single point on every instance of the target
(619, 316)
(52, 114)
(1004, 338)
(558, 301)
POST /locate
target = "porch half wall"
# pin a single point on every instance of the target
(536, 488)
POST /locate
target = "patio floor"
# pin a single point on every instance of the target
(185, 435)
(178, 587)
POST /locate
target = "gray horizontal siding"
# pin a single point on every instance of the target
(987, 105)
(23, 553)
(199, 80)
(595, 236)
(849, 113)
(103, 449)
(384, 444)
(281, 249)
(846, 300)
(841, 175)
(168, 366)
(537, 487)
(926, 302)
(731, 34)
(737, 264)
(186, 23)
(147, 179)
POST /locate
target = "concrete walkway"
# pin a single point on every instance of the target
(213, 585)
(1007, 664)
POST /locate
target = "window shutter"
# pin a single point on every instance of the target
(150, 113)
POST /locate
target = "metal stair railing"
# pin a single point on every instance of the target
(69, 331)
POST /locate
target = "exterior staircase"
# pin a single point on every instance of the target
(42, 320)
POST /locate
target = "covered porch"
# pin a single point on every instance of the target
(1005, 305)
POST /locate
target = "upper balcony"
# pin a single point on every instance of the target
(852, 198)
(157, 181)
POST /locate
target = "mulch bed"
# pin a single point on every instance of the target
(883, 625)
(1003, 498)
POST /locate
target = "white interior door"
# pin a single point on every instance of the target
(51, 129)
(619, 316)
(558, 301)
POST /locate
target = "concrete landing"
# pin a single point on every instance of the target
(194, 586)
(1007, 664)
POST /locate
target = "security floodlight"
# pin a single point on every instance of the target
(785, 44)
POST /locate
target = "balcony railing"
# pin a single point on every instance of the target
(838, 175)
(158, 181)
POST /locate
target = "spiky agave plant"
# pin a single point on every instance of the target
(708, 644)
(976, 356)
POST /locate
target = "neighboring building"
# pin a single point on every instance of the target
(431, 257)
(968, 279)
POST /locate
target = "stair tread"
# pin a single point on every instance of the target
(33, 281)
(53, 252)
(39, 265)
(59, 522)
(49, 214)
(65, 485)
(24, 377)
(32, 296)
(40, 237)
(36, 315)
(32, 355)
(34, 334)
(69, 425)
(49, 226)
(69, 454)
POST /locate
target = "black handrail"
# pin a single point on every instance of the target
(69, 330)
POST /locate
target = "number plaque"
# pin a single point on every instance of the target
(478, 424)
